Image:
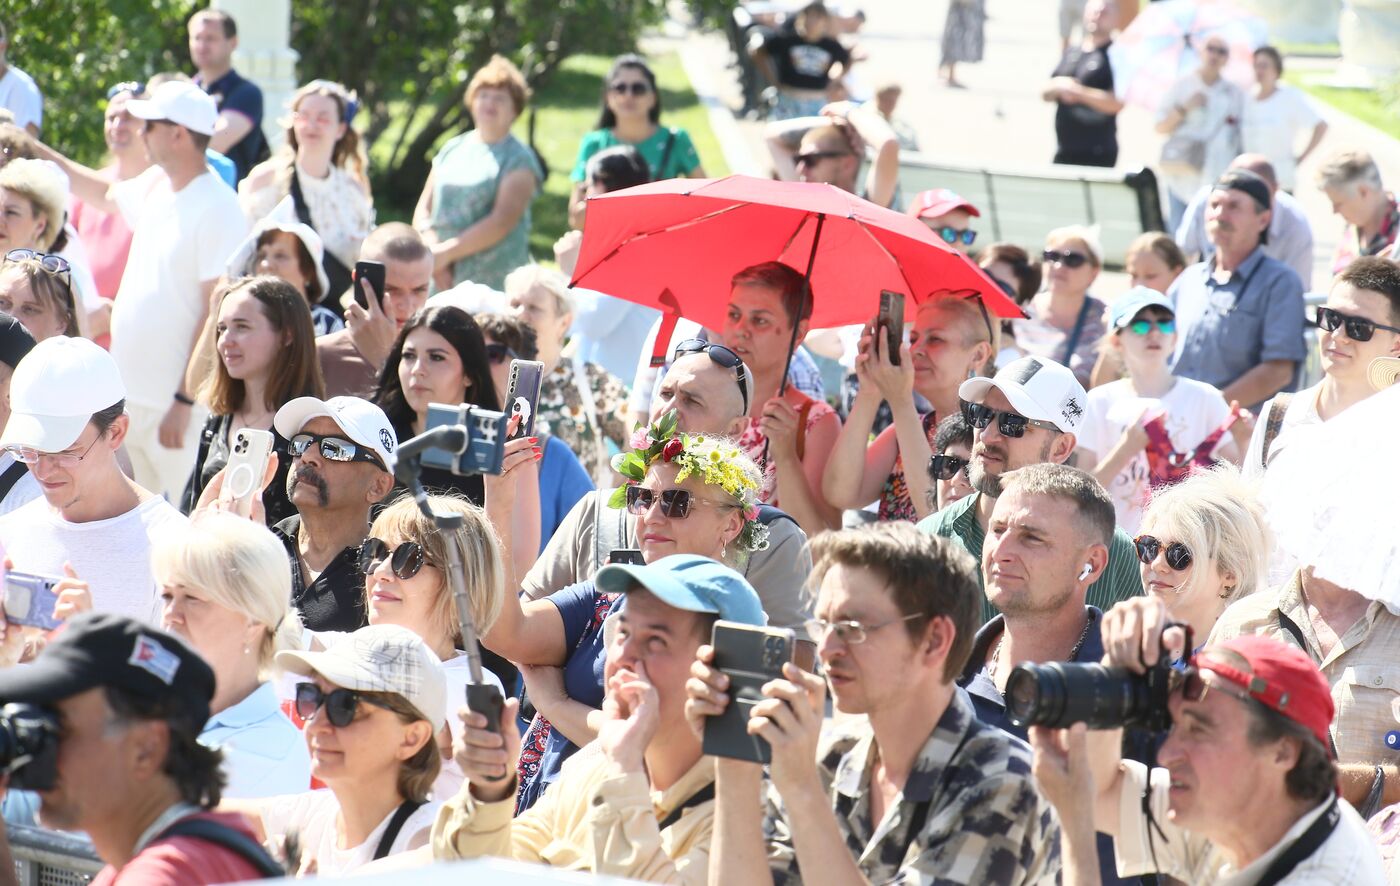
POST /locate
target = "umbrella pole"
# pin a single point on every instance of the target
(792, 342)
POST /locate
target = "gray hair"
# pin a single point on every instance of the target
(1349, 168)
(534, 276)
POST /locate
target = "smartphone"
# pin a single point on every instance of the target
(486, 444)
(30, 598)
(751, 656)
(891, 320)
(373, 271)
(523, 394)
(247, 460)
(627, 556)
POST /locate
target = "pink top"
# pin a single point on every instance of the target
(107, 239)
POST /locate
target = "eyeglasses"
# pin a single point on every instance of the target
(636, 87)
(952, 235)
(1142, 327)
(675, 503)
(340, 704)
(333, 448)
(1178, 554)
(135, 87)
(54, 264)
(1068, 259)
(1191, 683)
(29, 456)
(852, 633)
(1218, 50)
(498, 353)
(1010, 424)
(1358, 328)
(405, 560)
(813, 157)
(721, 355)
(945, 467)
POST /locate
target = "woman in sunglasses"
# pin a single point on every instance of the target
(692, 495)
(373, 703)
(1149, 409)
(224, 588)
(1202, 545)
(266, 357)
(952, 453)
(1066, 323)
(35, 289)
(631, 115)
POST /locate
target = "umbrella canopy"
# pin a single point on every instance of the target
(1342, 521)
(1163, 44)
(687, 237)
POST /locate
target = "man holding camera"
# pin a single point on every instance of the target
(1026, 414)
(896, 612)
(114, 710)
(1247, 787)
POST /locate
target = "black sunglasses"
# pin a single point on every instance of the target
(405, 560)
(332, 448)
(952, 235)
(818, 156)
(721, 355)
(945, 467)
(1066, 258)
(1010, 424)
(636, 87)
(498, 353)
(340, 704)
(1178, 554)
(675, 503)
(1358, 328)
(135, 87)
(54, 264)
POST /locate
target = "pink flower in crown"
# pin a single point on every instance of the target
(751, 513)
(641, 438)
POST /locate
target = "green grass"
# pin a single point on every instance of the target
(1376, 107)
(1309, 50)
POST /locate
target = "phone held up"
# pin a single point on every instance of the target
(891, 322)
(750, 656)
(243, 475)
(523, 394)
(373, 271)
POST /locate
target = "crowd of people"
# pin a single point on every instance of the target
(213, 686)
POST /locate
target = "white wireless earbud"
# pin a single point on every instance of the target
(1084, 573)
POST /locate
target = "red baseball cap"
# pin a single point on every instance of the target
(939, 201)
(1281, 677)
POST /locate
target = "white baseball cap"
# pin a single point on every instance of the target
(1037, 388)
(181, 102)
(380, 658)
(363, 422)
(56, 389)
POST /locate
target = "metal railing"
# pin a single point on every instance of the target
(48, 858)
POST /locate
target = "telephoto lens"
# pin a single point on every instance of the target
(1059, 694)
(29, 747)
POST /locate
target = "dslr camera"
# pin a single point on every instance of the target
(29, 740)
(1059, 694)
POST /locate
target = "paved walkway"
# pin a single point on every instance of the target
(999, 119)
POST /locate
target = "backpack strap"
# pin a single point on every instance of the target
(704, 795)
(225, 837)
(1278, 407)
(609, 531)
(11, 476)
(660, 172)
(391, 833)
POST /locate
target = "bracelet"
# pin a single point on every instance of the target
(181, 398)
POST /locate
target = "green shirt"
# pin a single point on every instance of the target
(1121, 580)
(682, 159)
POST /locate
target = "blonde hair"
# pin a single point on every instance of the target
(1086, 234)
(500, 73)
(981, 326)
(38, 182)
(1217, 515)
(535, 276)
(239, 565)
(482, 568)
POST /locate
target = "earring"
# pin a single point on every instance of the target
(1226, 591)
(246, 650)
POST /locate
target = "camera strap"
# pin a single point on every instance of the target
(391, 833)
(1303, 847)
(1291, 628)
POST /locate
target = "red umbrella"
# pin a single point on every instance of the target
(675, 244)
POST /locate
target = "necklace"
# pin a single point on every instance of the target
(1073, 653)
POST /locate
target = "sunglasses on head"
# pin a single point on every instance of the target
(405, 560)
(1010, 424)
(952, 235)
(1064, 257)
(636, 87)
(1148, 547)
(332, 448)
(945, 467)
(54, 264)
(813, 157)
(1142, 327)
(675, 503)
(721, 355)
(1358, 328)
(341, 704)
(135, 87)
(498, 353)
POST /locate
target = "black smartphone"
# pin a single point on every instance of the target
(891, 320)
(751, 656)
(523, 394)
(626, 556)
(373, 271)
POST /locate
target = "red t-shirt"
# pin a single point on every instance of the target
(185, 861)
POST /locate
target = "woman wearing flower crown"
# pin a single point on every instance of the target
(692, 494)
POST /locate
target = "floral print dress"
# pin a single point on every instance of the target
(585, 416)
(753, 443)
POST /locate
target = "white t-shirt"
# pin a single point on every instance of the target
(113, 556)
(1271, 128)
(312, 815)
(1301, 413)
(1217, 123)
(449, 780)
(1193, 410)
(19, 95)
(182, 238)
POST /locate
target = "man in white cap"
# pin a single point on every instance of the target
(67, 421)
(185, 225)
(343, 464)
(1027, 414)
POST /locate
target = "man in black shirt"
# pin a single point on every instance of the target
(802, 59)
(238, 134)
(1082, 88)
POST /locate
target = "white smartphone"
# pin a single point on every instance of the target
(247, 460)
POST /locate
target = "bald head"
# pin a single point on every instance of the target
(1259, 165)
(705, 395)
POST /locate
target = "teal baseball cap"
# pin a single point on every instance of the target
(689, 582)
(1127, 305)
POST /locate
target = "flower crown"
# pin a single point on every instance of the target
(715, 462)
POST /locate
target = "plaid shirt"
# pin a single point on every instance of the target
(1350, 247)
(984, 820)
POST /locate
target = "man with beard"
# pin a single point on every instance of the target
(1027, 414)
(343, 464)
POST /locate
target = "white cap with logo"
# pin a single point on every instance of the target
(1037, 388)
(363, 422)
(181, 102)
(55, 391)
